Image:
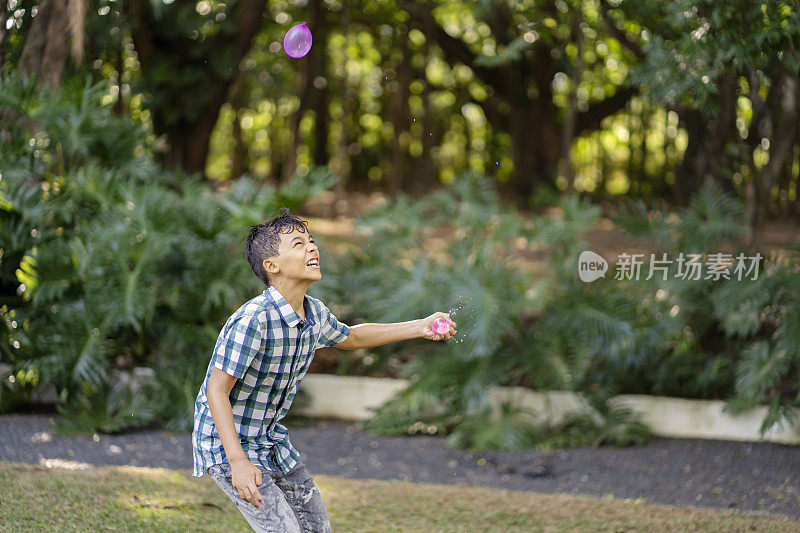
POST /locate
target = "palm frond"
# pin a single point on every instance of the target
(712, 217)
(761, 367)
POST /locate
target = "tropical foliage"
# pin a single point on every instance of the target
(137, 140)
(665, 334)
(110, 262)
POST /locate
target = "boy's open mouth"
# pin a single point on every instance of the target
(313, 263)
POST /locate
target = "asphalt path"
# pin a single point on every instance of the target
(702, 473)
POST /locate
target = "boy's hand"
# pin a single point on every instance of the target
(246, 478)
(427, 331)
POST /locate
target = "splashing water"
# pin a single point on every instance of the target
(457, 310)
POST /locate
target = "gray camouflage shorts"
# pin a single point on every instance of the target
(292, 501)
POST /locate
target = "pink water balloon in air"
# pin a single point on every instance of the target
(440, 326)
(297, 41)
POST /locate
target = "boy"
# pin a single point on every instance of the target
(261, 354)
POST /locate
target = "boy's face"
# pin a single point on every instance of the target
(297, 259)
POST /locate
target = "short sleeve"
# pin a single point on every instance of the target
(242, 342)
(331, 331)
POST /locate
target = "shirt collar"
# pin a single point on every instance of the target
(285, 309)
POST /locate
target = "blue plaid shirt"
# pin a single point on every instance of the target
(269, 349)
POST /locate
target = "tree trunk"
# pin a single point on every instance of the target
(428, 174)
(321, 92)
(188, 113)
(795, 208)
(782, 111)
(290, 161)
(400, 112)
(568, 132)
(645, 119)
(686, 183)
(45, 52)
(784, 184)
(634, 176)
(275, 148)
(3, 31)
(309, 96)
(343, 166)
(321, 128)
(189, 145)
(602, 157)
(536, 144)
(705, 159)
(670, 150)
(536, 156)
(119, 65)
(525, 160)
(239, 163)
(77, 20)
(784, 131)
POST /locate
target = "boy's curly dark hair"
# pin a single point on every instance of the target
(263, 240)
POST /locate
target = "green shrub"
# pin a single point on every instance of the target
(454, 249)
(737, 339)
(111, 262)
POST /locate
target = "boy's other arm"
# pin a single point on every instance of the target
(369, 335)
(220, 384)
(245, 476)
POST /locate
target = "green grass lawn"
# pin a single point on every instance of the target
(34, 498)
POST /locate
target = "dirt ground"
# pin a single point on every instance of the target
(333, 215)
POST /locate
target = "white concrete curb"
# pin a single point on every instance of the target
(349, 397)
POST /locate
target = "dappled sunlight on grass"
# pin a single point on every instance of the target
(64, 464)
(158, 499)
(372, 505)
(111, 497)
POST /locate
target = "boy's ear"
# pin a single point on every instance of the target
(270, 266)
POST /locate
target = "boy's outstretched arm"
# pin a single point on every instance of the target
(369, 335)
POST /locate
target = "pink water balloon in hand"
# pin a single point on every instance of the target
(297, 41)
(440, 326)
